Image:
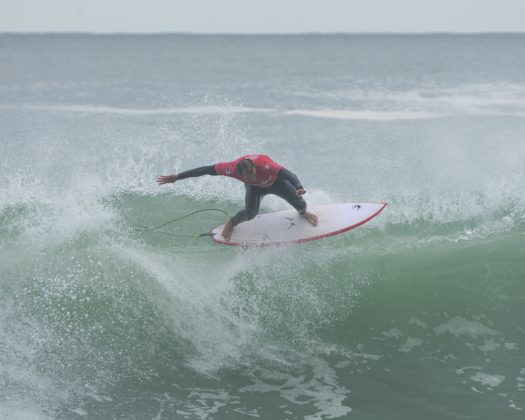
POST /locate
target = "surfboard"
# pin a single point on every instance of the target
(287, 226)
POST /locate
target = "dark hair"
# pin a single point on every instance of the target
(243, 165)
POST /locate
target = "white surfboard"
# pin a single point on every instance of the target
(287, 226)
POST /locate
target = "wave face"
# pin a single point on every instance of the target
(416, 314)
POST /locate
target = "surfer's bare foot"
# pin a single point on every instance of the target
(227, 231)
(311, 218)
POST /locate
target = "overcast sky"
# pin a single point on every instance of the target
(262, 16)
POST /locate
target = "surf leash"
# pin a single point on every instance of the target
(144, 228)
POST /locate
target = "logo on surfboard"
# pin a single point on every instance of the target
(291, 220)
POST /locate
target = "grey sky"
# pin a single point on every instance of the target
(262, 16)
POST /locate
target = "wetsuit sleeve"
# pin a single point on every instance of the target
(286, 175)
(203, 170)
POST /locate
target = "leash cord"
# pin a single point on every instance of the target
(144, 228)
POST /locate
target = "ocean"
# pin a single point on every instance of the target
(418, 314)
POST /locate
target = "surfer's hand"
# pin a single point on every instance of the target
(300, 192)
(166, 179)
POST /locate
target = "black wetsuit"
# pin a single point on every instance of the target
(285, 187)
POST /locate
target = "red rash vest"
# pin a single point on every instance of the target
(266, 170)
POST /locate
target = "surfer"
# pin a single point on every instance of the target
(261, 176)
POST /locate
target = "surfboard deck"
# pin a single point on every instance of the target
(287, 226)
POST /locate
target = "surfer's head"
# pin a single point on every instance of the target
(246, 169)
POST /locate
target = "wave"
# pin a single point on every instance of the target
(106, 302)
(365, 115)
(495, 99)
(347, 114)
(102, 109)
(343, 114)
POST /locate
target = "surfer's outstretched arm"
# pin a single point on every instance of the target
(192, 173)
(200, 171)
